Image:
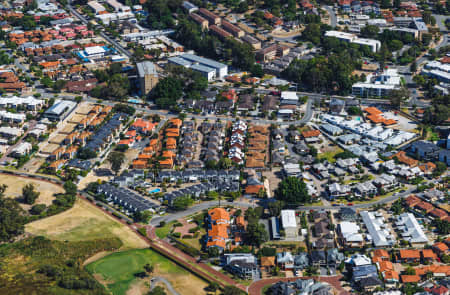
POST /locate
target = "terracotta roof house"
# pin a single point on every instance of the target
(311, 133)
(410, 278)
(428, 255)
(407, 256)
(267, 262)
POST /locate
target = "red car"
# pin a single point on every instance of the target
(350, 204)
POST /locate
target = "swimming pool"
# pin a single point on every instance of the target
(358, 118)
(155, 190)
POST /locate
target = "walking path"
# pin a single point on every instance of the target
(169, 286)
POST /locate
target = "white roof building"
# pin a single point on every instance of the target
(21, 149)
(288, 218)
(350, 232)
(411, 229)
(289, 95)
(377, 228)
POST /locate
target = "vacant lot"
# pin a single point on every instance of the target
(110, 271)
(15, 185)
(85, 222)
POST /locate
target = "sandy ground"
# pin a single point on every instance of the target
(57, 138)
(15, 185)
(84, 222)
(49, 148)
(403, 124)
(68, 128)
(33, 165)
(273, 179)
(84, 108)
(75, 119)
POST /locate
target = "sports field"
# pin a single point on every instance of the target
(84, 222)
(116, 272)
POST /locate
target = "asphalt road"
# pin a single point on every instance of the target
(196, 208)
(308, 114)
(205, 205)
(333, 18)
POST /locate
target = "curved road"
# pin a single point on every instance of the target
(165, 282)
(194, 209)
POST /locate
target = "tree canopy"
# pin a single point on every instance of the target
(293, 191)
(29, 195)
(12, 218)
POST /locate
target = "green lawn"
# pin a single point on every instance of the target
(118, 269)
(329, 155)
(162, 232)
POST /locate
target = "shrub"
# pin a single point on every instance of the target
(142, 231)
(187, 237)
(176, 235)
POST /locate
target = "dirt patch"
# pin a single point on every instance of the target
(184, 230)
(139, 287)
(101, 280)
(15, 184)
(68, 128)
(96, 257)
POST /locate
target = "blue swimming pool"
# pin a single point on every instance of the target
(155, 190)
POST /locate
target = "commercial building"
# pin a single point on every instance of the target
(374, 45)
(60, 110)
(148, 77)
(96, 7)
(208, 65)
(437, 70)
(289, 223)
(378, 86)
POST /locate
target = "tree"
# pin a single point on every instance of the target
(256, 233)
(225, 163)
(116, 160)
(293, 191)
(370, 31)
(12, 219)
(148, 268)
(410, 271)
(275, 208)
(397, 96)
(59, 85)
(29, 195)
(413, 67)
(213, 252)
(37, 209)
(158, 290)
(70, 188)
